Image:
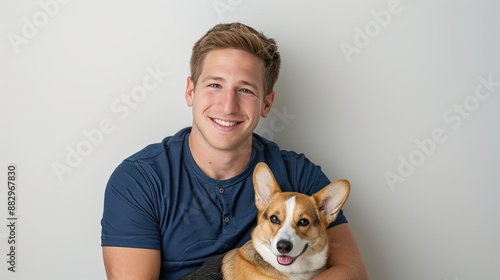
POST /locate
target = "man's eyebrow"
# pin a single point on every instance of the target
(249, 84)
(214, 78)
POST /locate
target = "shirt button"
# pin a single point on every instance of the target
(226, 219)
(221, 190)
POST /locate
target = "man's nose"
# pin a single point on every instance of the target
(228, 101)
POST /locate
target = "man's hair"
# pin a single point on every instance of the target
(238, 36)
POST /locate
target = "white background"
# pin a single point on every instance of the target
(358, 111)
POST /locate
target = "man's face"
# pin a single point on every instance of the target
(228, 99)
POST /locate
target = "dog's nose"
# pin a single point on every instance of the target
(284, 246)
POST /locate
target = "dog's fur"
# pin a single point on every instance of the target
(290, 240)
(290, 222)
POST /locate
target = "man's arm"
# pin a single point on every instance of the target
(345, 261)
(131, 263)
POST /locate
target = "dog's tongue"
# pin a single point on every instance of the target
(285, 260)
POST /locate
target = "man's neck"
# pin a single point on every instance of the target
(220, 164)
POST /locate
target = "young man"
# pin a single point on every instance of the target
(174, 204)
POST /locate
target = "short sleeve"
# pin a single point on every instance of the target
(130, 217)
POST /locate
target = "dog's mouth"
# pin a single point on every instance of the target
(288, 260)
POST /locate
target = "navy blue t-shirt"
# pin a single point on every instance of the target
(159, 199)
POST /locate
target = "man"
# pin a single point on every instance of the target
(174, 204)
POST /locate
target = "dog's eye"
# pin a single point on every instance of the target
(275, 220)
(303, 222)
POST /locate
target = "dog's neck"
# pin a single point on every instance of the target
(257, 259)
(268, 269)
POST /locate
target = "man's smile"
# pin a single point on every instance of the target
(224, 123)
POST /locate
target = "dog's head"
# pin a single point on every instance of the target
(291, 232)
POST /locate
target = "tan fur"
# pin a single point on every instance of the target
(246, 264)
(319, 209)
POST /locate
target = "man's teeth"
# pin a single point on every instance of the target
(224, 123)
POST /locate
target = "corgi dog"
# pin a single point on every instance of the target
(290, 240)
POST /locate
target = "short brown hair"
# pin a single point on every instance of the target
(238, 36)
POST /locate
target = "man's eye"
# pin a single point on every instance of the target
(214, 85)
(246, 90)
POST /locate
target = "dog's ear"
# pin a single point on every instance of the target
(264, 184)
(331, 199)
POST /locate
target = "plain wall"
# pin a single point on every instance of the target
(402, 98)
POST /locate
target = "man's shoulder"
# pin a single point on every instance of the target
(152, 161)
(153, 151)
(270, 147)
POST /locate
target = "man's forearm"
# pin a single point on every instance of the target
(343, 272)
(345, 259)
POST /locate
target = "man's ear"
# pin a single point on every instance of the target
(267, 104)
(264, 184)
(189, 95)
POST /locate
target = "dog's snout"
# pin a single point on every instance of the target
(284, 246)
